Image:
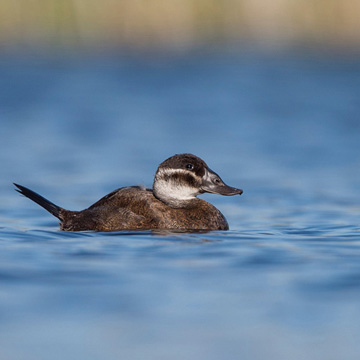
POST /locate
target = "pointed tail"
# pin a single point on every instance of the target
(46, 204)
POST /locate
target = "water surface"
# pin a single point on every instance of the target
(283, 283)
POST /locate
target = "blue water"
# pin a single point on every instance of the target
(283, 283)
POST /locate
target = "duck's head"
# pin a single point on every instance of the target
(179, 179)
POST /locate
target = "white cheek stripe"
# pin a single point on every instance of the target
(171, 188)
(171, 171)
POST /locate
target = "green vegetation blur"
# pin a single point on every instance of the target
(178, 23)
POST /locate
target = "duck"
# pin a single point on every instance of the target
(171, 204)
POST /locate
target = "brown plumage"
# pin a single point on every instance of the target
(172, 204)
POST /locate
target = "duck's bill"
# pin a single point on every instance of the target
(223, 190)
(212, 183)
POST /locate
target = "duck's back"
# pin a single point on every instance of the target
(136, 208)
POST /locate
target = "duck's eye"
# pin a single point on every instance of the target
(190, 166)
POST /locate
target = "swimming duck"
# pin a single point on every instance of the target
(171, 204)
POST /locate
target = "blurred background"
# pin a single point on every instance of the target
(95, 94)
(178, 24)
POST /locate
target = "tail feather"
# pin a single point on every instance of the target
(46, 204)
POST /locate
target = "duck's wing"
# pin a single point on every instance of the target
(122, 209)
(104, 201)
(122, 197)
